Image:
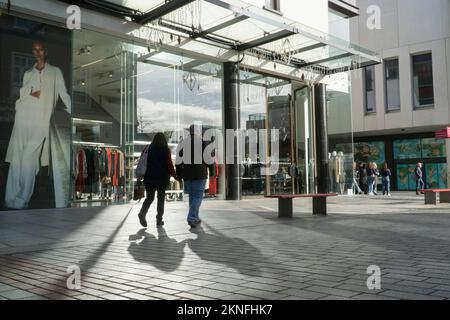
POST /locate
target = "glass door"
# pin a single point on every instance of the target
(279, 118)
(304, 141)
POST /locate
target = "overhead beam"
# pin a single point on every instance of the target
(223, 25)
(253, 13)
(344, 8)
(162, 10)
(106, 7)
(311, 63)
(308, 48)
(351, 68)
(266, 39)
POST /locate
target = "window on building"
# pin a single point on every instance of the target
(369, 89)
(392, 83)
(423, 80)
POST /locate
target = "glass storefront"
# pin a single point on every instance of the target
(304, 143)
(265, 103)
(102, 118)
(174, 92)
(430, 151)
(110, 97)
(340, 135)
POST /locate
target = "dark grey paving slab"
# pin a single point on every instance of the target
(256, 256)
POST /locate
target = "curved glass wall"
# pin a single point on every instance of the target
(174, 92)
(102, 118)
(340, 135)
(265, 104)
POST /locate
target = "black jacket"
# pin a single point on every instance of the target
(159, 167)
(189, 170)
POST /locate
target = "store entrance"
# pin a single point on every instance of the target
(304, 140)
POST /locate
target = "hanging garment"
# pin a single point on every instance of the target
(213, 179)
(80, 182)
(29, 146)
(116, 173)
(109, 171)
(90, 170)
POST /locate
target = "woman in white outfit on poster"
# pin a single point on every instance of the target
(29, 146)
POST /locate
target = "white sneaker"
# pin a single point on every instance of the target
(370, 193)
(389, 195)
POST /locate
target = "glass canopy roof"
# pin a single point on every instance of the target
(232, 30)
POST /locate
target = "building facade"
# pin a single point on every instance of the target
(135, 68)
(399, 104)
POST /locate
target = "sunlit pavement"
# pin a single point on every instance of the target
(241, 251)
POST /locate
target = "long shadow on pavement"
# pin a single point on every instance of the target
(403, 240)
(236, 253)
(164, 253)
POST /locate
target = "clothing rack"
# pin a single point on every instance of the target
(96, 144)
(103, 187)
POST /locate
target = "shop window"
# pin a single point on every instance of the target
(392, 84)
(369, 89)
(370, 152)
(407, 149)
(423, 80)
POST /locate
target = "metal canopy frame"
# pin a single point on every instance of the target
(166, 8)
(280, 28)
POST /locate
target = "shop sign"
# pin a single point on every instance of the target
(443, 134)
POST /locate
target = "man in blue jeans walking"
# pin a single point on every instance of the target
(191, 167)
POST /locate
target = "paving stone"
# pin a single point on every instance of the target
(333, 291)
(5, 287)
(163, 290)
(262, 294)
(263, 286)
(189, 296)
(236, 296)
(113, 297)
(303, 294)
(211, 293)
(88, 297)
(201, 283)
(135, 296)
(367, 296)
(408, 296)
(178, 286)
(443, 288)
(442, 294)
(16, 294)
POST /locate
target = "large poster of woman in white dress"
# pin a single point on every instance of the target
(35, 140)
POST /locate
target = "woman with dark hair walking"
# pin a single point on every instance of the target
(157, 177)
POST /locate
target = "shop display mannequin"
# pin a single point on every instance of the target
(341, 172)
(332, 171)
(337, 173)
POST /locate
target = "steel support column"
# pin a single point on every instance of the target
(320, 94)
(231, 119)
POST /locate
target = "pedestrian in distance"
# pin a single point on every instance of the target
(418, 173)
(386, 175)
(375, 178)
(157, 177)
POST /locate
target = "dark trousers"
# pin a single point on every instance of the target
(149, 200)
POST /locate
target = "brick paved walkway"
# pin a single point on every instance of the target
(242, 251)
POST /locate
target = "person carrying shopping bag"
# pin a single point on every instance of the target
(157, 177)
